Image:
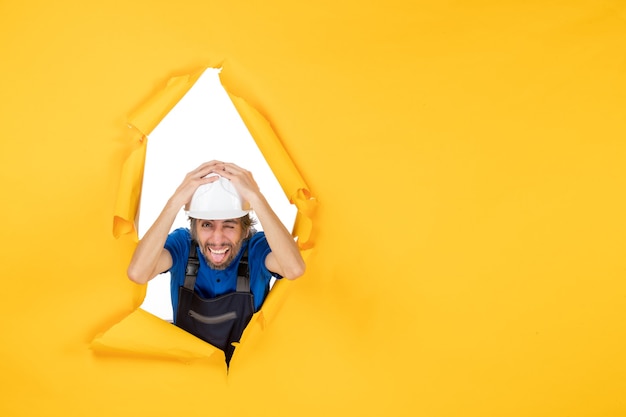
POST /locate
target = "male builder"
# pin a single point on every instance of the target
(220, 268)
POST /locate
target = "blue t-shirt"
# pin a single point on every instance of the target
(212, 283)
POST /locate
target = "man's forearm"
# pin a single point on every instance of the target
(284, 249)
(144, 264)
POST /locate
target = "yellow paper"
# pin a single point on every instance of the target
(459, 172)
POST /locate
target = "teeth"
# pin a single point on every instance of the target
(218, 252)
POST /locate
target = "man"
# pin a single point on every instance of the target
(220, 268)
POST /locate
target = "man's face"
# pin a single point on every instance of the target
(219, 241)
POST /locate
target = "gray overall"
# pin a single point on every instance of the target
(220, 320)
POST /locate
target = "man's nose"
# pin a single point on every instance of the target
(218, 233)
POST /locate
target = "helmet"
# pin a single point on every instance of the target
(218, 200)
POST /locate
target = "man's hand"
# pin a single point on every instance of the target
(242, 180)
(194, 179)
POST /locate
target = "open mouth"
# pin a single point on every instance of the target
(218, 255)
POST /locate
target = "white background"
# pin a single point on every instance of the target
(203, 126)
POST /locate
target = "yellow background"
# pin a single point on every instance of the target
(467, 164)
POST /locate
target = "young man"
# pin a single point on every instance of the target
(220, 267)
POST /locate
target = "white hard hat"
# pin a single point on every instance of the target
(218, 200)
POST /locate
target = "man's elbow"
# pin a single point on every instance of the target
(135, 276)
(296, 271)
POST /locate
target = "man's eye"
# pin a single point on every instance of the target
(206, 224)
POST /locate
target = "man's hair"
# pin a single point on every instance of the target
(246, 226)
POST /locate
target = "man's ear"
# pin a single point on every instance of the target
(192, 228)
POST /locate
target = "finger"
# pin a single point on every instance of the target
(231, 165)
(206, 167)
(207, 170)
(232, 168)
(241, 174)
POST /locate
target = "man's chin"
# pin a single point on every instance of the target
(221, 266)
(225, 262)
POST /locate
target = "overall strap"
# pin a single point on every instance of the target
(243, 274)
(193, 264)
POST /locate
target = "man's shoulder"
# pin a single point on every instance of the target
(257, 235)
(257, 240)
(181, 232)
(180, 236)
(258, 247)
(178, 243)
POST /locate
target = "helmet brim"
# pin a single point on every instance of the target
(217, 215)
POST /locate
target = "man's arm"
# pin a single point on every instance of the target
(285, 258)
(150, 257)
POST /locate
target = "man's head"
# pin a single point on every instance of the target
(220, 240)
(219, 222)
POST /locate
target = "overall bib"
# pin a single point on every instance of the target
(220, 320)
